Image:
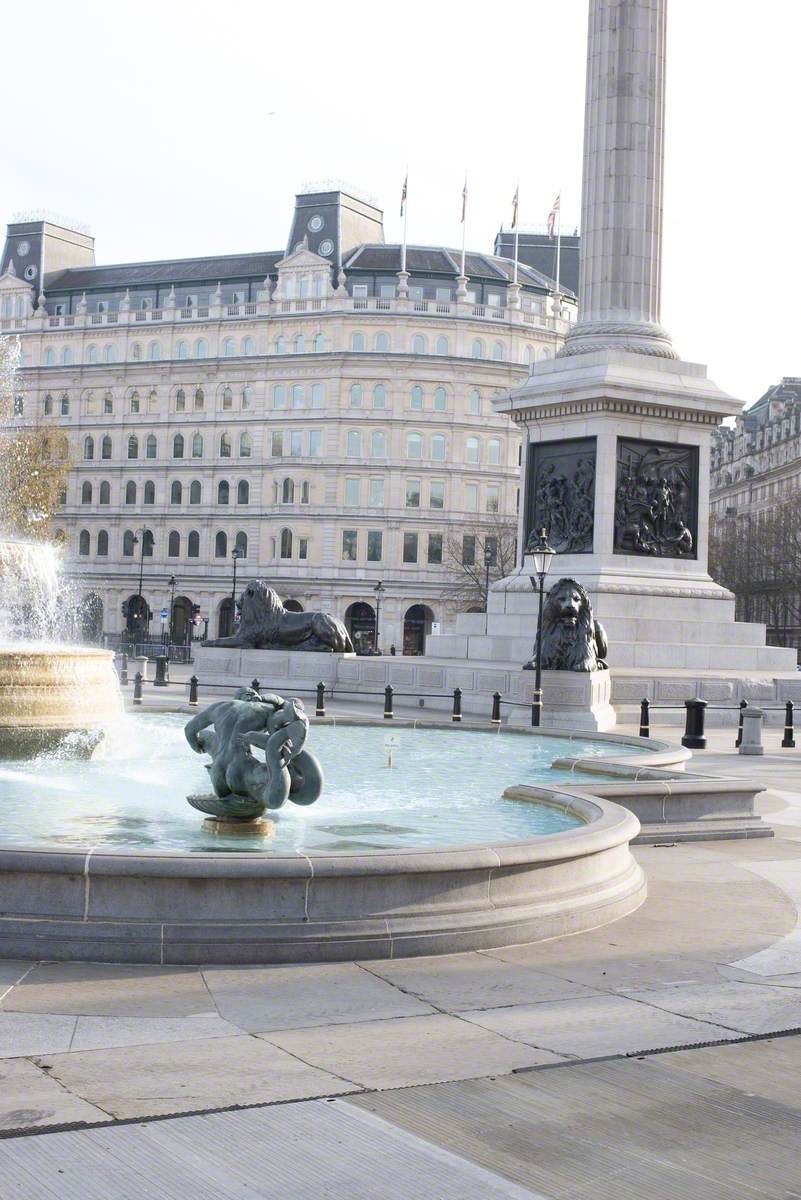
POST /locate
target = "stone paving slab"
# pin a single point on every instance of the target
(30, 1099)
(143, 1081)
(11, 971)
(456, 982)
(589, 1027)
(103, 989)
(746, 1007)
(22, 1034)
(259, 999)
(311, 1149)
(97, 1033)
(770, 1068)
(413, 1050)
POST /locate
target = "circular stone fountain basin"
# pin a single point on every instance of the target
(105, 860)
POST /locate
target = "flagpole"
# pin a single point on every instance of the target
(405, 218)
(558, 243)
(464, 224)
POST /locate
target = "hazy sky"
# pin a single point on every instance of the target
(179, 128)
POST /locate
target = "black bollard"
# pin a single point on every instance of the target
(496, 708)
(739, 738)
(788, 741)
(694, 726)
(388, 713)
(193, 691)
(124, 668)
(645, 719)
(137, 696)
(457, 704)
(162, 671)
(254, 683)
(320, 710)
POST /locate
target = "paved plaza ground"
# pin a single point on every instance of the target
(657, 1056)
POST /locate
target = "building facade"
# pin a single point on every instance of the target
(324, 411)
(755, 511)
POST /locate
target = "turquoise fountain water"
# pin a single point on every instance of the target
(444, 788)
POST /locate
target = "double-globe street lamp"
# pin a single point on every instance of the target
(172, 584)
(543, 556)
(236, 554)
(379, 590)
(142, 610)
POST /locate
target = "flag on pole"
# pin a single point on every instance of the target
(403, 193)
(464, 200)
(553, 214)
(514, 206)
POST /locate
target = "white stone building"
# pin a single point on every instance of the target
(324, 410)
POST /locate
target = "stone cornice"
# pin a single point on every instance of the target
(605, 404)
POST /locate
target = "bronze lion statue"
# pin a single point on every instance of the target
(266, 625)
(572, 640)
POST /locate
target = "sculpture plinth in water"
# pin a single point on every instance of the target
(245, 787)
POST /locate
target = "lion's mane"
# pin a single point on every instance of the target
(567, 646)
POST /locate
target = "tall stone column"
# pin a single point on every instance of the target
(621, 204)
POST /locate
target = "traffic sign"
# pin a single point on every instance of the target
(165, 612)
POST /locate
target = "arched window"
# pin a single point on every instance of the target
(223, 491)
(472, 450)
(228, 348)
(528, 355)
(279, 396)
(91, 355)
(494, 452)
(440, 400)
(151, 446)
(128, 544)
(477, 349)
(86, 492)
(102, 543)
(319, 343)
(105, 447)
(441, 345)
(298, 395)
(245, 445)
(148, 543)
(150, 492)
(193, 545)
(197, 445)
(357, 342)
(304, 492)
(382, 342)
(288, 491)
(243, 492)
(154, 351)
(497, 351)
(201, 348)
(225, 445)
(134, 402)
(65, 405)
(108, 354)
(178, 446)
(414, 445)
(174, 544)
(438, 447)
(286, 543)
(133, 446)
(419, 345)
(108, 404)
(83, 542)
(227, 398)
(247, 396)
(48, 405)
(280, 345)
(180, 400)
(183, 350)
(248, 346)
(416, 398)
(299, 344)
(130, 492)
(136, 351)
(66, 356)
(200, 397)
(195, 492)
(356, 395)
(50, 357)
(379, 396)
(241, 544)
(221, 545)
(176, 492)
(105, 492)
(378, 444)
(88, 447)
(318, 395)
(354, 444)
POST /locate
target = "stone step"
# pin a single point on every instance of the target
(630, 628)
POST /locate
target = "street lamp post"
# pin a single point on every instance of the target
(172, 584)
(543, 556)
(379, 590)
(236, 554)
(141, 607)
(489, 558)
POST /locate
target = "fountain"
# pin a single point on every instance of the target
(53, 695)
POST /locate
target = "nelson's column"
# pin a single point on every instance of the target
(617, 428)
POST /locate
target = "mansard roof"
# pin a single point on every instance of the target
(178, 271)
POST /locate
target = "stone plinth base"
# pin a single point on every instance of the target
(572, 700)
(291, 672)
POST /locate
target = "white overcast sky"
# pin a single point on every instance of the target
(178, 128)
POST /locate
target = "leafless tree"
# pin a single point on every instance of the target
(487, 549)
